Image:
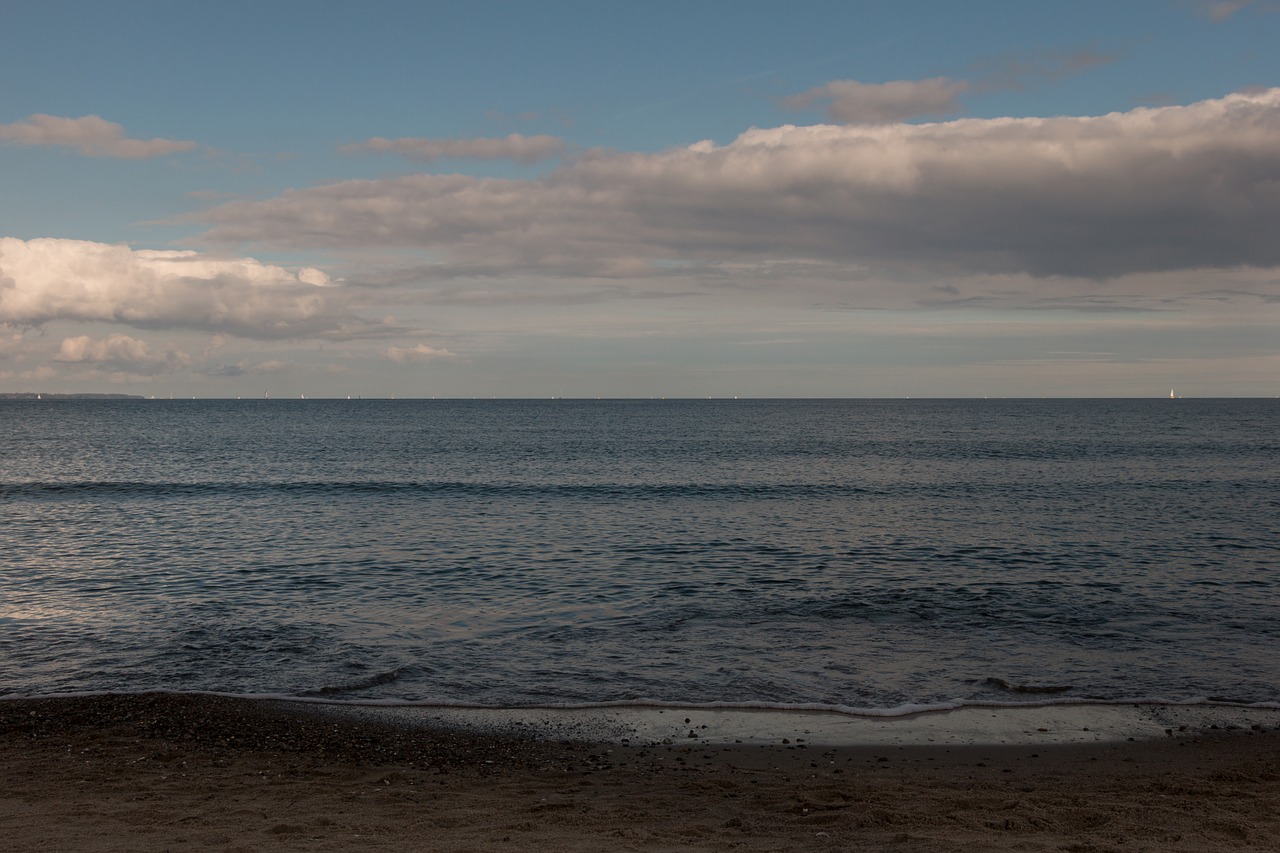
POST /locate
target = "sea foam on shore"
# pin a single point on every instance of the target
(975, 726)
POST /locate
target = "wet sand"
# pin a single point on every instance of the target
(181, 772)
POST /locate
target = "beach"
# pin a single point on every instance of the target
(155, 772)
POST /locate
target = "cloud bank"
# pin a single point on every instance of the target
(1149, 190)
(45, 280)
(522, 149)
(92, 136)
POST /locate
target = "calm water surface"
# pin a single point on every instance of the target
(865, 554)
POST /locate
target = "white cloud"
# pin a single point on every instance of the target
(91, 135)
(48, 279)
(421, 352)
(246, 367)
(883, 103)
(120, 353)
(522, 149)
(1150, 190)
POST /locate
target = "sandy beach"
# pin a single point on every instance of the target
(181, 772)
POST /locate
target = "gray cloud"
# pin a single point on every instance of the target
(45, 280)
(1153, 189)
(855, 102)
(92, 136)
(1018, 70)
(1225, 9)
(522, 149)
(882, 103)
(249, 368)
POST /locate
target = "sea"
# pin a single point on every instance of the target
(865, 556)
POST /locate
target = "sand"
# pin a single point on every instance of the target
(177, 772)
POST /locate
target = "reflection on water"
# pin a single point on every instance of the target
(850, 552)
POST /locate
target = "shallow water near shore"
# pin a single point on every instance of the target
(854, 554)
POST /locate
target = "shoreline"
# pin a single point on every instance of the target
(976, 725)
(180, 771)
(1069, 721)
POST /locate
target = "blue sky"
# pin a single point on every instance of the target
(586, 199)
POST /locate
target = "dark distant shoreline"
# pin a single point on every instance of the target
(31, 395)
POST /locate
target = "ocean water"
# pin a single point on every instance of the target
(853, 554)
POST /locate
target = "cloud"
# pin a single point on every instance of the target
(882, 103)
(48, 279)
(421, 352)
(120, 353)
(249, 368)
(1222, 11)
(1152, 189)
(12, 346)
(525, 117)
(1017, 70)
(522, 149)
(855, 102)
(37, 374)
(91, 135)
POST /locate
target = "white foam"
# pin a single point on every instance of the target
(1046, 724)
(1056, 721)
(905, 710)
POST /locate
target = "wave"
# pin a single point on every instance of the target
(758, 490)
(908, 709)
(360, 684)
(128, 488)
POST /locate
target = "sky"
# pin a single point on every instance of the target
(607, 199)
